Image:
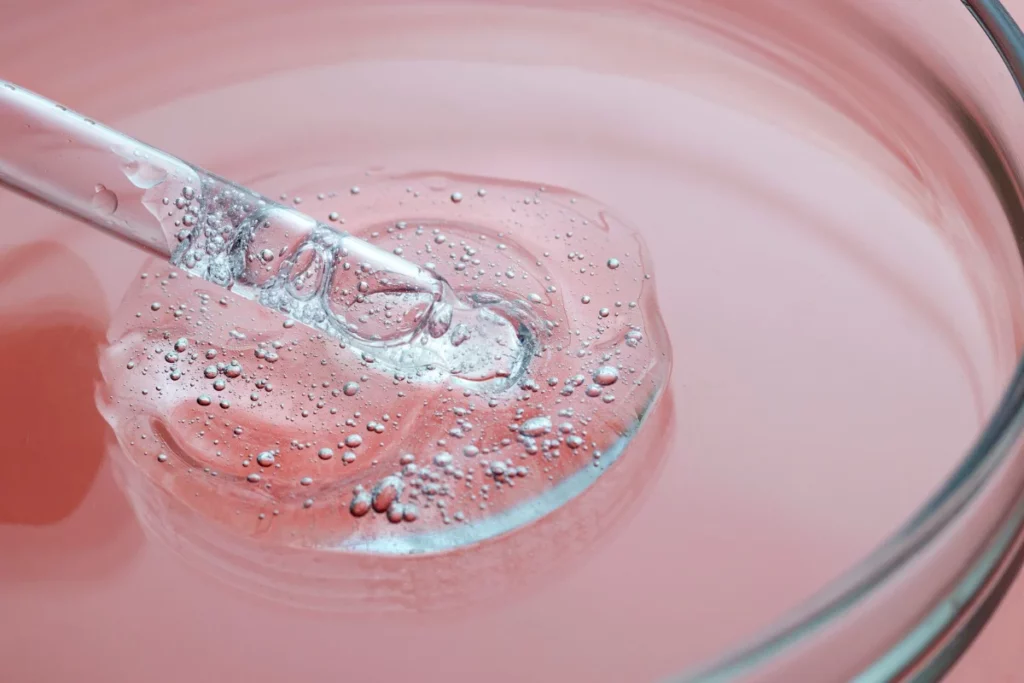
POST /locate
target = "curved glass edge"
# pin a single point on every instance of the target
(928, 651)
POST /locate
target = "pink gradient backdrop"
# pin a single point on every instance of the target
(104, 550)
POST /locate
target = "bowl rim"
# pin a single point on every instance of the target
(948, 624)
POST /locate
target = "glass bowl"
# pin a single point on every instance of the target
(830, 197)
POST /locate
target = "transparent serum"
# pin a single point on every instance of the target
(355, 410)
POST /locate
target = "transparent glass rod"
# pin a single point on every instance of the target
(218, 230)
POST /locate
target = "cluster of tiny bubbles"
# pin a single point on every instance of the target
(284, 429)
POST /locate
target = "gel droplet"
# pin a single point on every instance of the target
(104, 200)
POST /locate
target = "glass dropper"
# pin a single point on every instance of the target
(260, 249)
(207, 225)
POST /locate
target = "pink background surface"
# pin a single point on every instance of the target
(996, 657)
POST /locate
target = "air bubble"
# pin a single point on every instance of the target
(361, 504)
(606, 375)
(395, 513)
(104, 200)
(536, 426)
(386, 492)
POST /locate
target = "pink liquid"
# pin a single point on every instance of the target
(840, 337)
